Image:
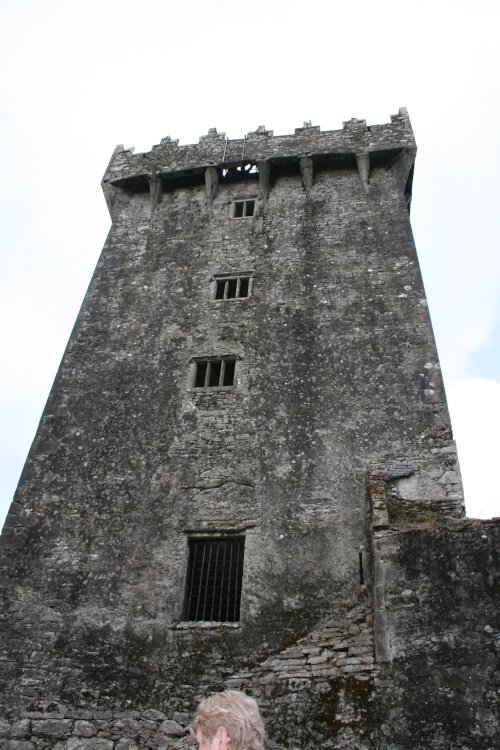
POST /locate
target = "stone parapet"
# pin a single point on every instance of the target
(356, 137)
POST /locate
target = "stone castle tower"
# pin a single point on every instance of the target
(245, 474)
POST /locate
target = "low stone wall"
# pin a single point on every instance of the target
(63, 728)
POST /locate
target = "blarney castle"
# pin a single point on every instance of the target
(245, 473)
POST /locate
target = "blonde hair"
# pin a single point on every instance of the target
(237, 713)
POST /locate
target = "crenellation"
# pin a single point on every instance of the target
(355, 124)
(215, 149)
(261, 132)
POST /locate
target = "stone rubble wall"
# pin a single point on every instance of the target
(65, 728)
(320, 683)
(437, 635)
(337, 648)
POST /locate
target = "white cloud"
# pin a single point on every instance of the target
(475, 407)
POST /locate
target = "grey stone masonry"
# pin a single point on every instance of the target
(245, 473)
(168, 157)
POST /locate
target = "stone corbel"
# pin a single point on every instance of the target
(155, 189)
(363, 162)
(264, 168)
(307, 172)
(110, 194)
(402, 169)
(211, 183)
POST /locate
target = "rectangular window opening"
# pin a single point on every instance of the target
(232, 287)
(244, 208)
(214, 373)
(229, 372)
(244, 283)
(214, 377)
(201, 371)
(213, 581)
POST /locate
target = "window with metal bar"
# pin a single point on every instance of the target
(232, 287)
(213, 582)
(214, 373)
(243, 209)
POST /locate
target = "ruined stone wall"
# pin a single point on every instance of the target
(437, 622)
(336, 372)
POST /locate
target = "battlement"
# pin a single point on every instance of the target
(170, 160)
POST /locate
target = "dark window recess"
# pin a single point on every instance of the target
(213, 582)
(244, 209)
(214, 373)
(361, 571)
(232, 287)
(240, 171)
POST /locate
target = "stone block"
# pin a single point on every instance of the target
(154, 714)
(57, 728)
(172, 728)
(21, 728)
(89, 743)
(126, 744)
(84, 729)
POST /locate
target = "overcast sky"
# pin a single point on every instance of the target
(78, 77)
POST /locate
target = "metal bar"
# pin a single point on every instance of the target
(207, 374)
(229, 580)
(200, 584)
(236, 578)
(222, 371)
(238, 287)
(223, 572)
(226, 287)
(187, 613)
(207, 582)
(215, 580)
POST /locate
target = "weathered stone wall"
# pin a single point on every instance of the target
(338, 399)
(437, 622)
(214, 148)
(68, 728)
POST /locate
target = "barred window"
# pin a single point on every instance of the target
(243, 209)
(214, 373)
(213, 582)
(232, 287)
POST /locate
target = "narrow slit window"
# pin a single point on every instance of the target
(232, 287)
(244, 284)
(201, 371)
(244, 209)
(214, 373)
(213, 581)
(229, 372)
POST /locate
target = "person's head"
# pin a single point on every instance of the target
(228, 721)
